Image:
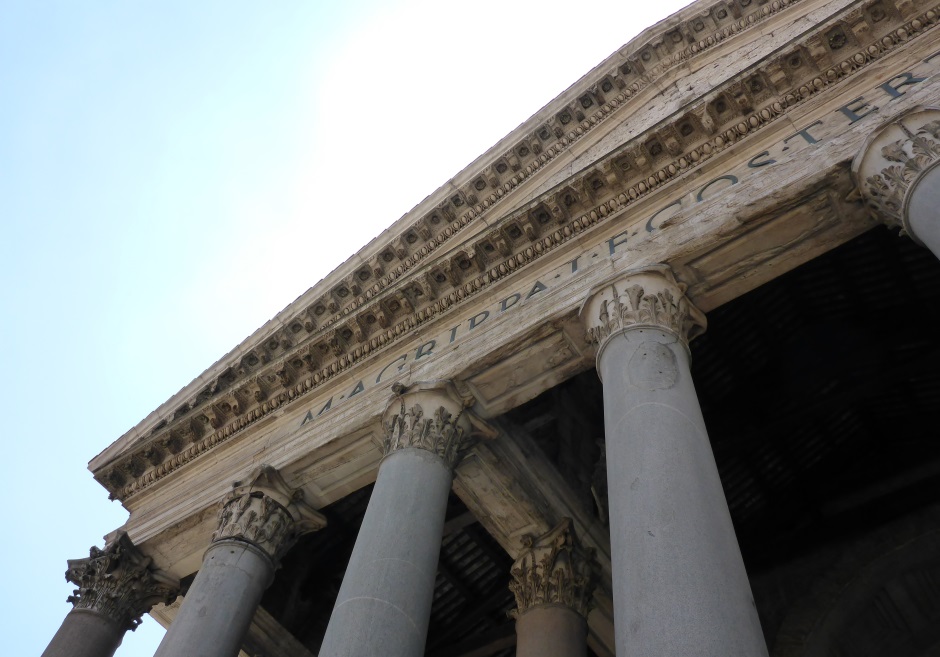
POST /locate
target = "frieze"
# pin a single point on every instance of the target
(255, 388)
(119, 583)
(646, 65)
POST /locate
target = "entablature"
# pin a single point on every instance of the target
(451, 259)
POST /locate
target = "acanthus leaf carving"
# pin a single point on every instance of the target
(554, 569)
(119, 583)
(892, 161)
(267, 513)
(432, 417)
(649, 297)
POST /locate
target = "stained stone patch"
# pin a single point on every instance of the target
(653, 367)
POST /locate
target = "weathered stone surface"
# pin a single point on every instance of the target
(116, 586)
(896, 172)
(718, 142)
(679, 582)
(257, 523)
(554, 569)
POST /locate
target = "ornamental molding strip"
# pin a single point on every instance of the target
(119, 583)
(266, 513)
(893, 159)
(649, 297)
(355, 321)
(430, 416)
(554, 570)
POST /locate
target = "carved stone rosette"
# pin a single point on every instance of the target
(119, 583)
(267, 513)
(648, 297)
(429, 416)
(893, 158)
(554, 570)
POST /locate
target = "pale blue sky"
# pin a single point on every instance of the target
(172, 174)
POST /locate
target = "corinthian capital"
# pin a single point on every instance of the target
(430, 416)
(894, 158)
(267, 513)
(554, 570)
(119, 583)
(648, 297)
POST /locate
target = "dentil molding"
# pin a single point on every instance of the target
(407, 283)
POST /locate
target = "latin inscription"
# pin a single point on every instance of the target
(808, 135)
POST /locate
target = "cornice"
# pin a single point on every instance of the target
(309, 349)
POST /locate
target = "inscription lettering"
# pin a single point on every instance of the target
(701, 193)
(893, 90)
(481, 316)
(538, 287)
(426, 349)
(853, 108)
(753, 163)
(616, 241)
(403, 358)
(509, 302)
(804, 133)
(854, 111)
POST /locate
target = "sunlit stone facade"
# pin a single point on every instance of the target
(652, 375)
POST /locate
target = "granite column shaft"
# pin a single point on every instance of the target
(384, 603)
(553, 581)
(258, 522)
(680, 587)
(551, 631)
(116, 586)
(86, 633)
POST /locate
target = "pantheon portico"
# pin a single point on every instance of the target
(655, 375)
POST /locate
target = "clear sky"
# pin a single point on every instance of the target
(173, 174)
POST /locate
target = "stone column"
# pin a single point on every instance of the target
(258, 522)
(898, 175)
(679, 583)
(116, 586)
(384, 603)
(553, 580)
